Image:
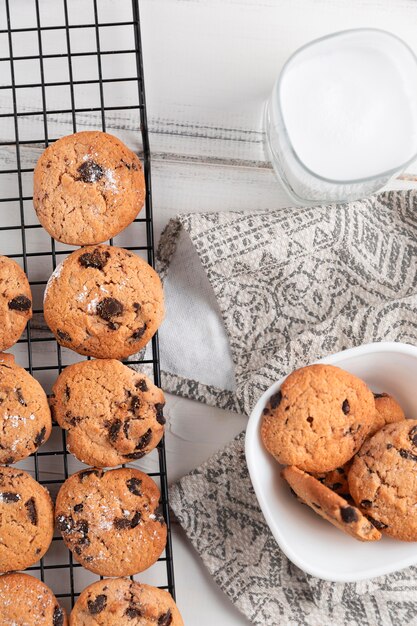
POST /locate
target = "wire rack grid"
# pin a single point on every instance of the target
(69, 65)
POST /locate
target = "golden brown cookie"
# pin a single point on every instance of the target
(337, 480)
(27, 601)
(104, 301)
(318, 419)
(388, 411)
(25, 418)
(112, 413)
(87, 188)
(383, 479)
(110, 522)
(123, 602)
(15, 302)
(26, 520)
(330, 505)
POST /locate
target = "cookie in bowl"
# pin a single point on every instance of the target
(330, 505)
(104, 301)
(382, 479)
(337, 480)
(388, 411)
(87, 188)
(318, 419)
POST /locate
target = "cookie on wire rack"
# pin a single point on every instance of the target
(25, 600)
(110, 520)
(104, 301)
(26, 520)
(87, 188)
(112, 413)
(121, 602)
(15, 302)
(25, 417)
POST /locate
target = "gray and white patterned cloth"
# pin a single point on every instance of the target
(292, 285)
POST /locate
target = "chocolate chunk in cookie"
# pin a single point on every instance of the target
(20, 303)
(90, 171)
(96, 259)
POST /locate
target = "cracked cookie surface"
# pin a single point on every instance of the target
(27, 601)
(330, 506)
(123, 602)
(112, 414)
(87, 188)
(15, 302)
(110, 520)
(383, 479)
(26, 520)
(25, 417)
(104, 301)
(319, 418)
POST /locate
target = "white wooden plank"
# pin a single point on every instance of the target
(211, 65)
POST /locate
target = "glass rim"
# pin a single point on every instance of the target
(277, 88)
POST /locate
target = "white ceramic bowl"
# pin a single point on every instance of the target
(310, 542)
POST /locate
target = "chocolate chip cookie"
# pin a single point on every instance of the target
(112, 413)
(337, 480)
(15, 302)
(26, 520)
(330, 505)
(318, 419)
(25, 418)
(123, 602)
(104, 301)
(27, 601)
(110, 520)
(383, 482)
(388, 411)
(87, 188)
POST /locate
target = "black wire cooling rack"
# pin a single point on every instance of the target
(65, 66)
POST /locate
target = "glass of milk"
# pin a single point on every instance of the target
(342, 118)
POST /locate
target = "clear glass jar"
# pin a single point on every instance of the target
(342, 117)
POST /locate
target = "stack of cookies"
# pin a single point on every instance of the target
(350, 454)
(103, 302)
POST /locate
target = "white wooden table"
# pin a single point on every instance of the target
(209, 67)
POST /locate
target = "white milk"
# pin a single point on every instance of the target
(347, 106)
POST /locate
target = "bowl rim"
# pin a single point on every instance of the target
(251, 447)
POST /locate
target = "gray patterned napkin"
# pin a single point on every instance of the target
(291, 285)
